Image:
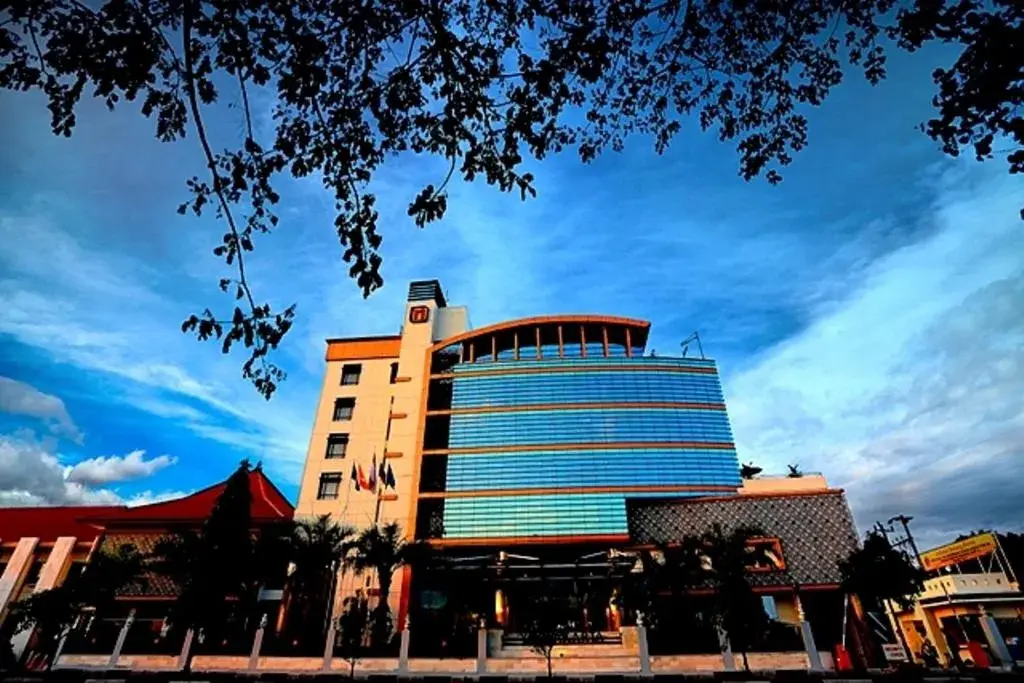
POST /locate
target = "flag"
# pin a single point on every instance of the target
(373, 473)
(362, 478)
(390, 479)
(382, 473)
(355, 477)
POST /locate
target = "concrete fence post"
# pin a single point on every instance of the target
(186, 648)
(257, 644)
(403, 651)
(55, 663)
(996, 640)
(728, 660)
(116, 654)
(481, 649)
(813, 656)
(643, 647)
(332, 631)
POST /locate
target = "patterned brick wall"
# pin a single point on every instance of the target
(816, 531)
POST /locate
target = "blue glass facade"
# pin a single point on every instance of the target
(576, 436)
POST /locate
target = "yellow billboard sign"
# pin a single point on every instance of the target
(961, 551)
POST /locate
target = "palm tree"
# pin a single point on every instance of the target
(383, 550)
(737, 609)
(319, 547)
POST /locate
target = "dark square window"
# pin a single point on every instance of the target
(350, 374)
(330, 485)
(337, 444)
(394, 373)
(343, 408)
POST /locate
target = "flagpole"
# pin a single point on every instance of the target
(380, 485)
(383, 484)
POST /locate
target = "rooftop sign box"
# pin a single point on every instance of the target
(961, 551)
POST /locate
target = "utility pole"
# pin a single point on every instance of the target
(905, 523)
(894, 617)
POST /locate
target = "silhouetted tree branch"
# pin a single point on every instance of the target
(485, 84)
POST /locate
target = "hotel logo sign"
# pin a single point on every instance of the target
(419, 314)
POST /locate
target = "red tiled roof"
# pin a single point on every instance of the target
(268, 505)
(50, 523)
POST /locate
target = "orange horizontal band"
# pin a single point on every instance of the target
(678, 405)
(638, 367)
(398, 416)
(548, 490)
(468, 450)
(389, 496)
(363, 349)
(390, 455)
(403, 379)
(774, 494)
(522, 540)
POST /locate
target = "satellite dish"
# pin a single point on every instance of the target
(748, 471)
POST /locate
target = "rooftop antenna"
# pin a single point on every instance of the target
(695, 337)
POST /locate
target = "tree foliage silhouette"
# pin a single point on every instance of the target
(383, 550)
(317, 549)
(736, 609)
(51, 613)
(878, 573)
(214, 569)
(485, 85)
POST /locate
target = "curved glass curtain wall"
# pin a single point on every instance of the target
(549, 446)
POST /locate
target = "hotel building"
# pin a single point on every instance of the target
(539, 448)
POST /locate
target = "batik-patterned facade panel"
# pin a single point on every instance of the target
(815, 531)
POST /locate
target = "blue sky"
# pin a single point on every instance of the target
(866, 314)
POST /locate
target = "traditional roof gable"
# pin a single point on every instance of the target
(268, 505)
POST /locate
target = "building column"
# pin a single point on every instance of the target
(52, 575)
(14, 574)
(933, 630)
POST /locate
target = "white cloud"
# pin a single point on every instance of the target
(149, 497)
(19, 398)
(105, 470)
(31, 473)
(907, 391)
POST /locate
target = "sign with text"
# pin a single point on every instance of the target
(894, 652)
(961, 551)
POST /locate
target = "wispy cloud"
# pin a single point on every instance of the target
(98, 313)
(19, 398)
(906, 391)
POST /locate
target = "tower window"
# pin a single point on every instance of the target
(350, 374)
(330, 485)
(343, 408)
(337, 445)
(394, 372)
